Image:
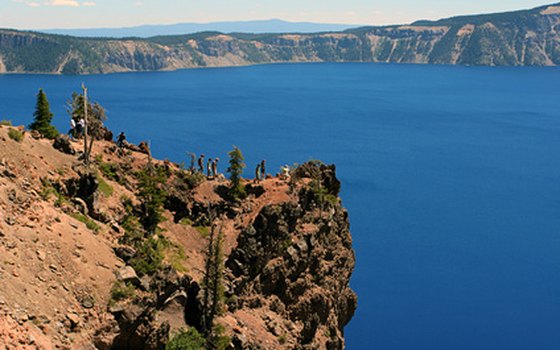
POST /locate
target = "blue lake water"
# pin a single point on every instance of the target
(451, 176)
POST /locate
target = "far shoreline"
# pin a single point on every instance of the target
(407, 64)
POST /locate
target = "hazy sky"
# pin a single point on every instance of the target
(43, 14)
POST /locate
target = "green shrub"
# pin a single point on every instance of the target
(121, 291)
(186, 222)
(132, 230)
(287, 243)
(176, 256)
(5, 122)
(191, 180)
(104, 187)
(152, 195)
(186, 340)
(203, 230)
(148, 258)
(110, 171)
(218, 339)
(16, 135)
(90, 224)
(282, 339)
(47, 190)
(60, 200)
(322, 195)
(107, 169)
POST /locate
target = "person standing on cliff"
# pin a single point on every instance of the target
(121, 140)
(263, 170)
(81, 126)
(215, 167)
(193, 160)
(201, 164)
(285, 174)
(258, 173)
(72, 128)
(209, 168)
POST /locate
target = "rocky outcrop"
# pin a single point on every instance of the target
(63, 144)
(2, 66)
(72, 234)
(507, 39)
(136, 325)
(298, 262)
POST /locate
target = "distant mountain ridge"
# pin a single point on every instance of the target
(521, 38)
(256, 27)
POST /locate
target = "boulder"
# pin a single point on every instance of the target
(62, 143)
(128, 275)
(87, 302)
(125, 252)
(74, 320)
(138, 329)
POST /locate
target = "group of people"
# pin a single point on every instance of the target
(77, 128)
(210, 167)
(260, 171)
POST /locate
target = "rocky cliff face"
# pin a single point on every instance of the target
(510, 39)
(298, 258)
(71, 237)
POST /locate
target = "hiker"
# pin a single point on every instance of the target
(263, 170)
(258, 173)
(121, 139)
(209, 168)
(79, 129)
(193, 160)
(215, 167)
(201, 164)
(285, 175)
(82, 126)
(72, 128)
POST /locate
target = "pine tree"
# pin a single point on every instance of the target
(217, 277)
(236, 166)
(152, 196)
(207, 284)
(43, 117)
(213, 293)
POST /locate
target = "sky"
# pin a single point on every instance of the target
(49, 14)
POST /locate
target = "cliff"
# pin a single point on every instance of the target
(522, 38)
(79, 271)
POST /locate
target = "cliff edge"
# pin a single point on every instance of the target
(79, 270)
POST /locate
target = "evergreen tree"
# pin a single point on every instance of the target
(152, 196)
(186, 340)
(213, 293)
(236, 166)
(218, 291)
(43, 117)
(207, 284)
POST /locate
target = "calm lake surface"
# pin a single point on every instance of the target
(451, 176)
